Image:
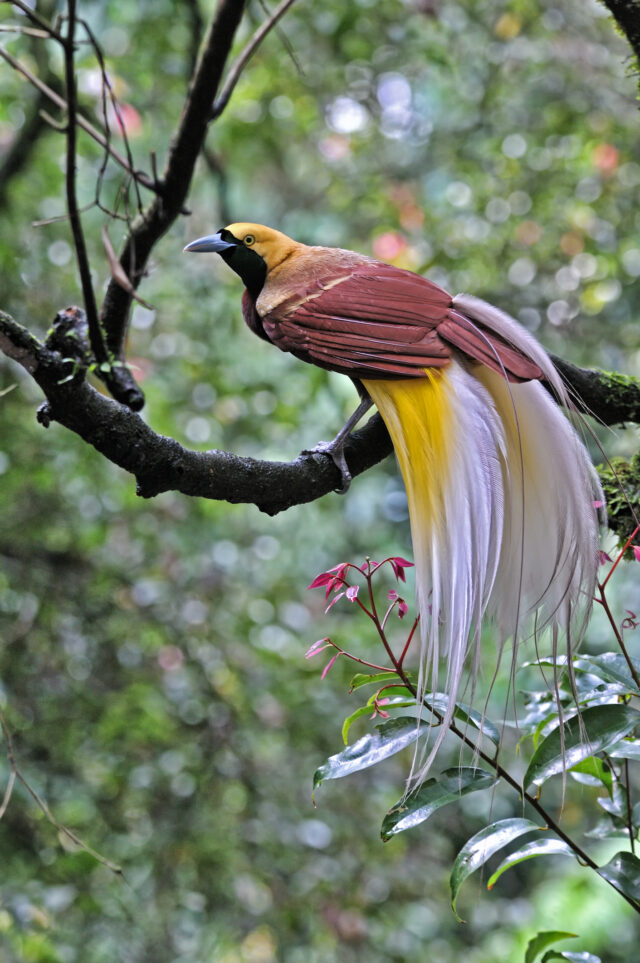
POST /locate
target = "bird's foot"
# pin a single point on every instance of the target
(336, 453)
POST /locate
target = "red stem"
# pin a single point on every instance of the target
(408, 642)
(603, 601)
(621, 555)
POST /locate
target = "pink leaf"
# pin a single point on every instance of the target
(369, 566)
(321, 579)
(381, 713)
(333, 601)
(636, 552)
(340, 569)
(604, 558)
(317, 647)
(403, 608)
(598, 504)
(329, 664)
(393, 595)
(398, 565)
(352, 592)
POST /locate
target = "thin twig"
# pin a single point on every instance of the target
(34, 17)
(284, 40)
(8, 793)
(618, 634)
(106, 86)
(88, 128)
(620, 556)
(627, 787)
(236, 70)
(25, 31)
(95, 331)
(16, 774)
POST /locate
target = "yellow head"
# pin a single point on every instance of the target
(272, 246)
(251, 250)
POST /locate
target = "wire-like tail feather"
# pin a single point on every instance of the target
(501, 496)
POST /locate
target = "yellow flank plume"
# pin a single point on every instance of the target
(418, 416)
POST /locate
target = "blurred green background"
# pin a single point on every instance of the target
(152, 652)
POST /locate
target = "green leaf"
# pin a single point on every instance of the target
(440, 701)
(608, 828)
(615, 668)
(389, 738)
(627, 749)
(544, 939)
(604, 727)
(477, 850)
(362, 678)
(566, 955)
(543, 847)
(623, 872)
(593, 772)
(368, 710)
(447, 787)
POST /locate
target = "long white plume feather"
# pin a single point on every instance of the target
(501, 496)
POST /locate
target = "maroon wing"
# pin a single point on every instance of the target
(384, 322)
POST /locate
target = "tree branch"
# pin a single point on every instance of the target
(183, 154)
(82, 258)
(161, 464)
(626, 13)
(236, 70)
(82, 122)
(610, 397)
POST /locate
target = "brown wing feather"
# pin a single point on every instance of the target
(383, 322)
(487, 347)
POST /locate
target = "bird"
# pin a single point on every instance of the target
(504, 502)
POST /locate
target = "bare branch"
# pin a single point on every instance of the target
(107, 88)
(236, 70)
(161, 464)
(95, 331)
(627, 15)
(34, 17)
(183, 154)
(16, 774)
(88, 128)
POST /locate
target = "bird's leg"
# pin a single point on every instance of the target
(335, 448)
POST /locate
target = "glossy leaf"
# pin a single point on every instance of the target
(593, 772)
(363, 678)
(477, 850)
(613, 666)
(369, 710)
(447, 787)
(543, 847)
(623, 872)
(567, 955)
(608, 828)
(627, 749)
(466, 714)
(544, 939)
(604, 726)
(389, 738)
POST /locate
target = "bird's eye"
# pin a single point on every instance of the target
(249, 239)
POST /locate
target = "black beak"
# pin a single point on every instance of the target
(212, 242)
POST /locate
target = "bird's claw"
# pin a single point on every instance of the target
(336, 453)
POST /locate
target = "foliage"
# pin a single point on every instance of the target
(152, 671)
(582, 723)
